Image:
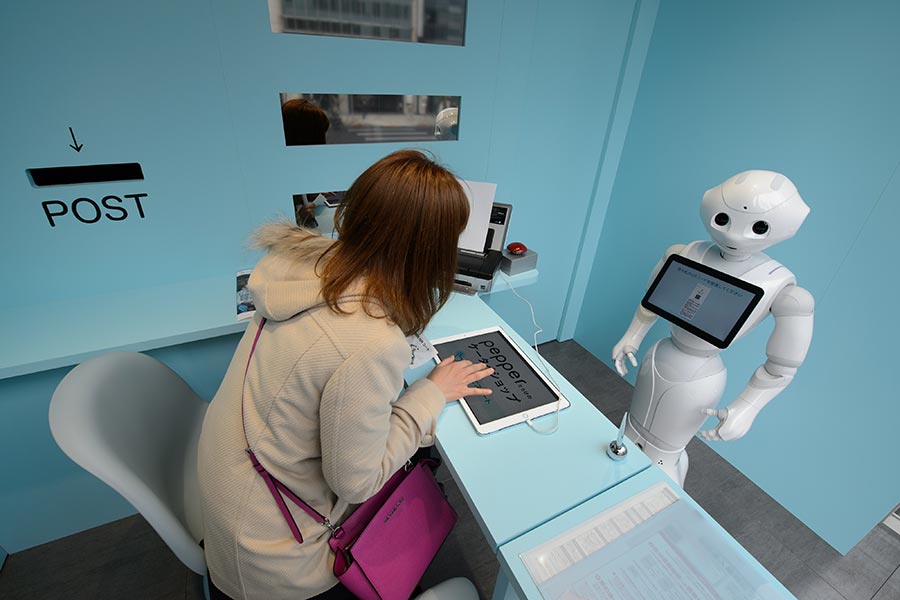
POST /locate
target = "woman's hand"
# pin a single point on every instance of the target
(454, 376)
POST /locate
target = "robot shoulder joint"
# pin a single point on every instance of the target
(674, 249)
(793, 300)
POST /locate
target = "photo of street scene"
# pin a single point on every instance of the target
(311, 119)
(425, 21)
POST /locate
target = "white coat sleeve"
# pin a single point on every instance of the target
(367, 433)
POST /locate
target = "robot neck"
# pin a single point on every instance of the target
(733, 255)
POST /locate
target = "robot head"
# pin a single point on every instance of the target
(446, 124)
(752, 211)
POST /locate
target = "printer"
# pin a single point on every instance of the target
(475, 270)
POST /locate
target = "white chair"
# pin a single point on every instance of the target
(457, 588)
(134, 423)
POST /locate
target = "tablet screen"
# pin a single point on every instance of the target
(708, 303)
(517, 387)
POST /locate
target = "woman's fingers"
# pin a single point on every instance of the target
(477, 368)
(476, 391)
(480, 374)
(454, 376)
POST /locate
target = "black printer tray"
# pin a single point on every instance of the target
(478, 265)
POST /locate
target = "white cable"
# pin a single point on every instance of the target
(538, 329)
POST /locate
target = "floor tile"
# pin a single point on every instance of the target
(122, 559)
(604, 388)
(855, 575)
(882, 545)
(891, 588)
(784, 565)
(859, 573)
(465, 553)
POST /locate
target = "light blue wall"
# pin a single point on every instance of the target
(557, 86)
(810, 91)
(137, 82)
(532, 75)
(190, 90)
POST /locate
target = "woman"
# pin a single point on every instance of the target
(320, 400)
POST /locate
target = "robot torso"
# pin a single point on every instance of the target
(759, 269)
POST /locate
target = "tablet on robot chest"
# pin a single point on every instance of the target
(704, 301)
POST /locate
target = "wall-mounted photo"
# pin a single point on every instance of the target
(426, 21)
(310, 119)
(305, 206)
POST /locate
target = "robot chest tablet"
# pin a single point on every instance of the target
(712, 305)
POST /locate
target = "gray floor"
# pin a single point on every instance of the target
(126, 559)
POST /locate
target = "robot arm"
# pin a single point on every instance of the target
(785, 352)
(641, 323)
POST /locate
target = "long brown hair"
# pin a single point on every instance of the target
(398, 228)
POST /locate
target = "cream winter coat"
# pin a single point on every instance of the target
(324, 415)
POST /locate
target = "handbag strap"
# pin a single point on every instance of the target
(276, 488)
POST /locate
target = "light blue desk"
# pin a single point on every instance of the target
(516, 479)
(515, 581)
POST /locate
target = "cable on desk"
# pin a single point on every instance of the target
(538, 329)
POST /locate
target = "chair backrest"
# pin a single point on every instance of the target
(134, 423)
(458, 588)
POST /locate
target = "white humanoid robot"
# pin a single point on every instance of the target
(682, 377)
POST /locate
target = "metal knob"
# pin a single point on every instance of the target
(616, 449)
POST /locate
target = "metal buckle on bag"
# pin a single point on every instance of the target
(336, 532)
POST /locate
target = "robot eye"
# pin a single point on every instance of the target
(721, 219)
(760, 228)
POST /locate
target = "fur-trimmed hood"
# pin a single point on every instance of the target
(285, 282)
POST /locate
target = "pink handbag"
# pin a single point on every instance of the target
(382, 549)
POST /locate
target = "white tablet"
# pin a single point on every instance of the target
(520, 391)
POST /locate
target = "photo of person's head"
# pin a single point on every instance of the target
(305, 123)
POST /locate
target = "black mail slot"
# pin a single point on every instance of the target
(85, 174)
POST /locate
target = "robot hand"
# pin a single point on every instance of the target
(620, 351)
(640, 324)
(734, 421)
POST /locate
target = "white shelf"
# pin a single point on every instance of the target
(49, 336)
